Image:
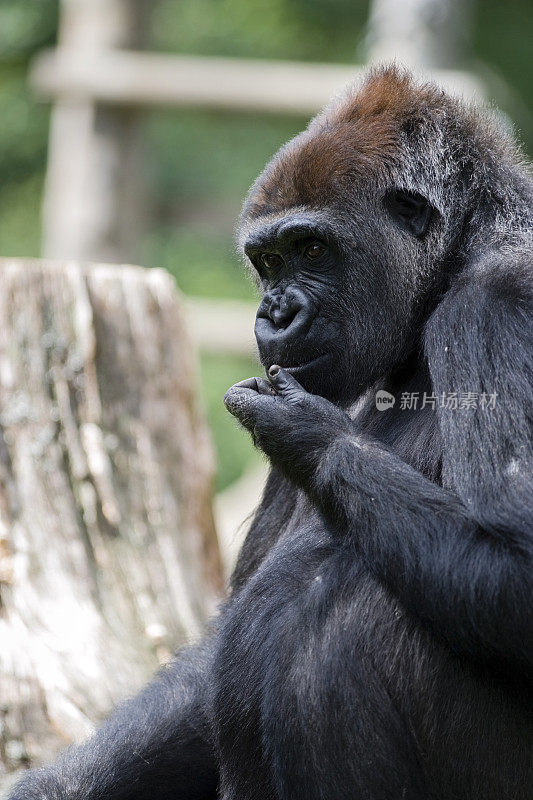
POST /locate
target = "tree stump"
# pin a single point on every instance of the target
(108, 553)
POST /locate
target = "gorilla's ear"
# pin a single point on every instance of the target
(410, 209)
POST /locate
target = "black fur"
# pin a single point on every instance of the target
(378, 640)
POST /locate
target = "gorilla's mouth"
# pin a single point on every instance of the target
(306, 366)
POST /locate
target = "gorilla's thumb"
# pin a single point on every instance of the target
(285, 385)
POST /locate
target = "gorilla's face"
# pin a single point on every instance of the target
(340, 289)
(343, 251)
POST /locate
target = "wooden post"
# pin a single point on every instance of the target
(108, 554)
(421, 34)
(93, 206)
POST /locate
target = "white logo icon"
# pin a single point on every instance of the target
(384, 400)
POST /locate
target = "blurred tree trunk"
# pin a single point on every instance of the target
(108, 554)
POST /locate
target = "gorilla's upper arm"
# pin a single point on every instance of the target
(480, 342)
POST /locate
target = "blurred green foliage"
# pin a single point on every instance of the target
(200, 164)
(24, 29)
(308, 30)
(234, 451)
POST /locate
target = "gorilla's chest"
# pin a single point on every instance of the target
(317, 662)
(296, 642)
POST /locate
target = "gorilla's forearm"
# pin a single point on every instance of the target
(420, 540)
(156, 745)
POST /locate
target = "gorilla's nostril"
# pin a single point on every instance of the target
(281, 317)
(283, 312)
(275, 315)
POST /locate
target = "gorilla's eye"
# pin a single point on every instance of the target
(271, 261)
(314, 250)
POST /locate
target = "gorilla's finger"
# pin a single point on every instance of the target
(239, 400)
(248, 383)
(265, 387)
(259, 385)
(285, 384)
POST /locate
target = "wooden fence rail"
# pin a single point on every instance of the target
(126, 78)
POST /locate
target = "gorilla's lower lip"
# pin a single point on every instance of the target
(314, 362)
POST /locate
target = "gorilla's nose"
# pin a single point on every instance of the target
(282, 317)
(283, 309)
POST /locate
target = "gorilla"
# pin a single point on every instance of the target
(377, 643)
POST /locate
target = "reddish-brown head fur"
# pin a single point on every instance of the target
(357, 137)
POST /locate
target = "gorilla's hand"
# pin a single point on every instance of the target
(290, 425)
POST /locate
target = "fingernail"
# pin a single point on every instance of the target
(274, 370)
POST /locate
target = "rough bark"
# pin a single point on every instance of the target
(108, 554)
